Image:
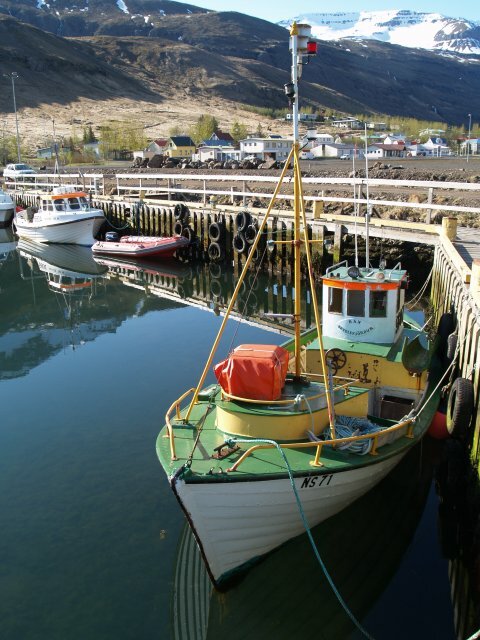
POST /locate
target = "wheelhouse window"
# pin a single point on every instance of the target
(378, 304)
(356, 303)
(73, 203)
(335, 300)
(59, 205)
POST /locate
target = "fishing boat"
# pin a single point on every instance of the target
(282, 441)
(6, 209)
(140, 247)
(63, 216)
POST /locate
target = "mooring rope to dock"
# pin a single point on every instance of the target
(308, 530)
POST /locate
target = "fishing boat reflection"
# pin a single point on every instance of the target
(362, 548)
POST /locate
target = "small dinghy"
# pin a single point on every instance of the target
(139, 246)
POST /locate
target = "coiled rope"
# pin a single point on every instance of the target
(307, 529)
(348, 426)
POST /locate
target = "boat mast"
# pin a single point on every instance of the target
(369, 208)
(296, 65)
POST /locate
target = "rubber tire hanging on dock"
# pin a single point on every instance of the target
(215, 231)
(251, 233)
(239, 243)
(215, 252)
(460, 407)
(242, 220)
(452, 342)
(446, 325)
(180, 211)
(188, 233)
(178, 228)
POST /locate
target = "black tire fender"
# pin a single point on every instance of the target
(215, 231)
(242, 220)
(239, 243)
(251, 233)
(188, 233)
(178, 228)
(452, 342)
(460, 407)
(446, 325)
(215, 251)
(216, 288)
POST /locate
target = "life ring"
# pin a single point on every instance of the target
(336, 359)
(215, 251)
(251, 233)
(242, 220)
(460, 407)
(178, 228)
(239, 243)
(215, 231)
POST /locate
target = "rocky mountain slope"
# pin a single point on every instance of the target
(403, 27)
(190, 62)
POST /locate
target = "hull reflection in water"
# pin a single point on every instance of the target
(286, 595)
(73, 260)
(7, 243)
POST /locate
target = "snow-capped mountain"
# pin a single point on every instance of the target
(403, 27)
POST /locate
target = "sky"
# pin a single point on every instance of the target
(276, 10)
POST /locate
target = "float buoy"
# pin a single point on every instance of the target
(459, 408)
(438, 426)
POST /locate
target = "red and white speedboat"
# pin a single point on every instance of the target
(141, 246)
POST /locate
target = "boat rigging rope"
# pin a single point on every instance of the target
(417, 297)
(243, 312)
(307, 529)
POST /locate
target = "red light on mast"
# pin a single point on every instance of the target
(311, 48)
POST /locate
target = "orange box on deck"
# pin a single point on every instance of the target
(254, 371)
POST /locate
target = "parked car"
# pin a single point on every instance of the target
(14, 171)
(345, 156)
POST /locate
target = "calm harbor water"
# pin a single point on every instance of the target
(93, 544)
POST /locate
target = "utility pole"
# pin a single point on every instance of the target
(469, 129)
(13, 76)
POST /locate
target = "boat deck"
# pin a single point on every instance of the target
(265, 463)
(391, 352)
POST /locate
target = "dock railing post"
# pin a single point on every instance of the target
(449, 227)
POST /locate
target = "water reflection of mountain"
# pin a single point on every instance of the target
(286, 595)
(55, 296)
